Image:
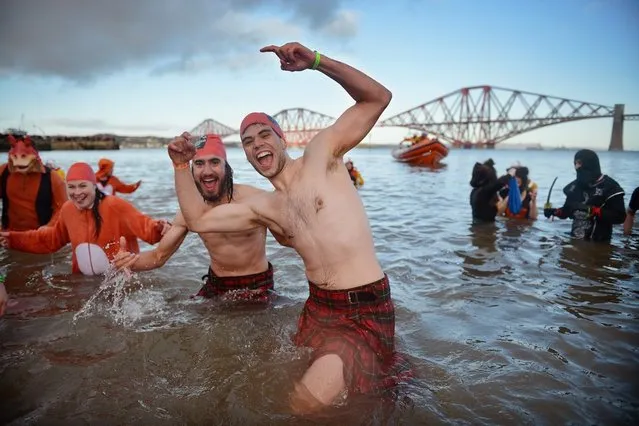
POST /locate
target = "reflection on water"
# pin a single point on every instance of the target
(506, 323)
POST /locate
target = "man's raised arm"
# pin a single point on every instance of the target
(371, 98)
(181, 150)
(233, 217)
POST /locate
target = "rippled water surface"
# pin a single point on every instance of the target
(511, 323)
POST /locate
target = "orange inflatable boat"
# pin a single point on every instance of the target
(420, 151)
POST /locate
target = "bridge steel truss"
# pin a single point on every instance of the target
(300, 125)
(211, 126)
(478, 116)
(487, 115)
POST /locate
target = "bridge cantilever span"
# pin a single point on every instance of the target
(300, 125)
(473, 116)
(211, 126)
(486, 115)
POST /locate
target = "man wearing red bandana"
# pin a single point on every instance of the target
(349, 318)
(238, 267)
(31, 194)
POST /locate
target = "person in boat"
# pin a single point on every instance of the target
(633, 206)
(238, 267)
(528, 195)
(355, 175)
(348, 319)
(109, 184)
(594, 201)
(413, 140)
(92, 222)
(32, 195)
(483, 197)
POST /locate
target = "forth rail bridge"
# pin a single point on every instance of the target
(471, 117)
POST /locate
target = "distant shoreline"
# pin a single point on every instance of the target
(114, 142)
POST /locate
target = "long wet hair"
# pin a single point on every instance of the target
(522, 173)
(99, 196)
(227, 183)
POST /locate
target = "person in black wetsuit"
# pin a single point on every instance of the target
(594, 201)
(483, 197)
(633, 206)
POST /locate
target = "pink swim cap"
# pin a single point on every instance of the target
(261, 118)
(210, 144)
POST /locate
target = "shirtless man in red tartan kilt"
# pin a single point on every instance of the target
(349, 317)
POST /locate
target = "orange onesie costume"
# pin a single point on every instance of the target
(91, 252)
(109, 184)
(31, 194)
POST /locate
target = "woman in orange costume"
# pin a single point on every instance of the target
(109, 184)
(92, 222)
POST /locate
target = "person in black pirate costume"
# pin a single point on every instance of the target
(594, 201)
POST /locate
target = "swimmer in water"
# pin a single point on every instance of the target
(594, 201)
(528, 195)
(92, 223)
(349, 317)
(354, 174)
(483, 197)
(31, 194)
(238, 264)
(109, 184)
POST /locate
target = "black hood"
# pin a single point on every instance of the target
(483, 174)
(590, 170)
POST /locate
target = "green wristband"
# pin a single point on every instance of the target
(317, 60)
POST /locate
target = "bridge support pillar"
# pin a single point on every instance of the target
(616, 139)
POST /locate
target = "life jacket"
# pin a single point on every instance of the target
(43, 202)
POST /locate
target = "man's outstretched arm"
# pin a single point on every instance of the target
(156, 257)
(371, 98)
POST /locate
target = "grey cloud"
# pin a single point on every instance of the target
(79, 40)
(343, 26)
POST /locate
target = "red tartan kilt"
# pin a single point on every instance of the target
(361, 334)
(255, 287)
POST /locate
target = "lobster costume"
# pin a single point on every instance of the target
(31, 195)
(109, 184)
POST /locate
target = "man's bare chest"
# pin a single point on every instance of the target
(218, 240)
(300, 212)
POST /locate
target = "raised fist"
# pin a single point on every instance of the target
(181, 149)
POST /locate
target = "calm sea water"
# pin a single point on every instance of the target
(511, 323)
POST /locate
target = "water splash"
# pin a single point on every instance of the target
(125, 300)
(109, 298)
